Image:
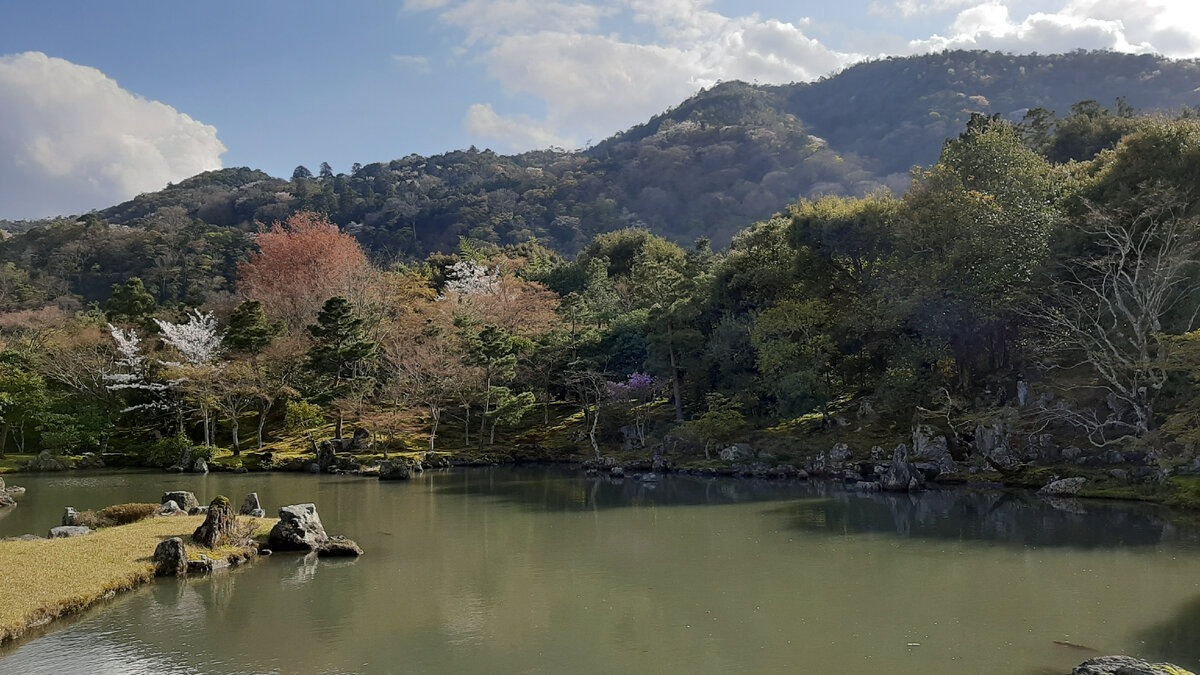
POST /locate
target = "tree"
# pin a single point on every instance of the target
(719, 424)
(249, 330)
(199, 341)
(301, 172)
(341, 353)
(494, 351)
(301, 263)
(235, 391)
(326, 170)
(130, 303)
(1109, 311)
(426, 369)
(23, 398)
(639, 392)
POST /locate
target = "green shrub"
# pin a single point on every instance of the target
(302, 415)
(166, 451)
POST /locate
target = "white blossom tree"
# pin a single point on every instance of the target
(199, 341)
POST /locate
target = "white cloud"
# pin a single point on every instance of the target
(73, 140)
(419, 64)
(520, 131)
(911, 8)
(594, 83)
(1168, 27)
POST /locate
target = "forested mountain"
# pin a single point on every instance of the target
(726, 157)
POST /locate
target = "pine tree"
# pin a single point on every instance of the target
(342, 352)
(249, 331)
(130, 302)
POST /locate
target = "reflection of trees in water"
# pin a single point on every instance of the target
(556, 489)
(995, 516)
(1177, 639)
(1000, 517)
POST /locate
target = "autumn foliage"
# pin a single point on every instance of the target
(301, 263)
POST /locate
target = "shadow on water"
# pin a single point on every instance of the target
(1011, 519)
(1176, 640)
(564, 489)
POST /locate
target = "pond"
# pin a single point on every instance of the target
(544, 570)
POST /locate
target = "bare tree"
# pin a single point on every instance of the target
(1108, 312)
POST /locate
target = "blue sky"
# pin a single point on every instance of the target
(272, 84)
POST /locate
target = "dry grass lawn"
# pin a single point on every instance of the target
(45, 579)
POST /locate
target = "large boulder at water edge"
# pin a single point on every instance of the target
(251, 507)
(218, 524)
(6, 501)
(65, 531)
(339, 546)
(200, 466)
(299, 529)
(396, 469)
(901, 475)
(170, 558)
(1065, 487)
(44, 462)
(1126, 665)
(184, 500)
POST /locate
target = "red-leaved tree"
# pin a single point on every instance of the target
(301, 263)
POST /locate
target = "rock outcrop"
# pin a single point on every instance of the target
(65, 531)
(200, 466)
(1064, 487)
(901, 475)
(339, 547)
(396, 469)
(299, 529)
(218, 525)
(171, 509)
(70, 516)
(252, 507)
(170, 558)
(44, 462)
(1126, 665)
(184, 500)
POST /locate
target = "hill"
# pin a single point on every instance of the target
(726, 157)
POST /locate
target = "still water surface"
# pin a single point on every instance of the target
(541, 570)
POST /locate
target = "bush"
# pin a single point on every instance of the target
(302, 415)
(166, 451)
(120, 514)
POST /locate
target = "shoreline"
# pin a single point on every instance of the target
(48, 579)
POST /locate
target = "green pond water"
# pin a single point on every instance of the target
(544, 570)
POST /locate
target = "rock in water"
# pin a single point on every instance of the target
(396, 469)
(200, 466)
(170, 558)
(65, 531)
(185, 500)
(70, 516)
(901, 475)
(1065, 487)
(1126, 665)
(339, 547)
(299, 529)
(6, 501)
(217, 526)
(251, 506)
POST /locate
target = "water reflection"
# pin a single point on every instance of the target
(1010, 519)
(1176, 639)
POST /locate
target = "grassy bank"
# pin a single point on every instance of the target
(46, 579)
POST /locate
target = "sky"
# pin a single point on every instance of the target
(100, 101)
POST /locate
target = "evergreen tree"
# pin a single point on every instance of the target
(130, 302)
(249, 331)
(301, 172)
(342, 353)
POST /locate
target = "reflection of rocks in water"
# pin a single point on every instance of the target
(568, 490)
(1177, 639)
(306, 570)
(1018, 520)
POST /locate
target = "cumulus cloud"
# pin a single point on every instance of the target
(594, 81)
(519, 130)
(1168, 27)
(73, 140)
(910, 8)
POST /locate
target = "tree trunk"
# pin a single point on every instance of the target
(436, 414)
(675, 386)
(233, 428)
(262, 423)
(337, 430)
